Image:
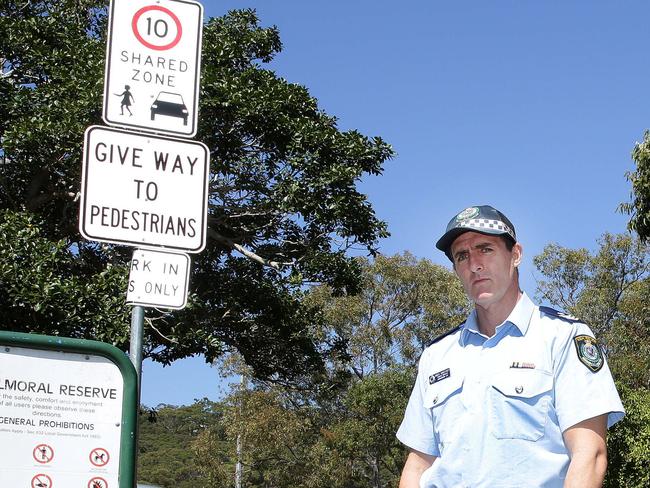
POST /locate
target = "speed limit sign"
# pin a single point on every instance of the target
(157, 27)
(153, 61)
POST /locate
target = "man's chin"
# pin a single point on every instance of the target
(483, 299)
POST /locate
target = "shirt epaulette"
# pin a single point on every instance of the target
(449, 332)
(560, 315)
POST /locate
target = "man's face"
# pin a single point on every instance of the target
(485, 267)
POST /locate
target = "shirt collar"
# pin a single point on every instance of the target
(519, 317)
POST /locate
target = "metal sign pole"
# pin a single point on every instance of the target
(135, 347)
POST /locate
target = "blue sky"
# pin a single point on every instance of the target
(530, 106)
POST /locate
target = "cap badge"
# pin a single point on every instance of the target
(468, 213)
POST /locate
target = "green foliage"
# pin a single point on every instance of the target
(608, 289)
(639, 207)
(405, 302)
(46, 289)
(629, 442)
(286, 442)
(284, 204)
(165, 446)
(276, 436)
(363, 446)
(339, 431)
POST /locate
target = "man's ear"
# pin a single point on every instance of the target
(517, 254)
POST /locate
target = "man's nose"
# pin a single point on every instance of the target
(475, 263)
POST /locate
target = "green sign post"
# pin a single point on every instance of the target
(68, 413)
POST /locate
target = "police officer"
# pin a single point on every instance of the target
(518, 395)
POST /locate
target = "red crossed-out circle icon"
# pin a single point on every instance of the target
(43, 453)
(98, 482)
(42, 481)
(99, 457)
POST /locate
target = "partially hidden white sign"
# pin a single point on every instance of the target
(144, 190)
(153, 63)
(60, 419)
(158, 279)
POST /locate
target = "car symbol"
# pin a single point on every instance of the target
(170, 104)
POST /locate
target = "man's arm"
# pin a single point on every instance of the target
(586, 442)
(416, 463)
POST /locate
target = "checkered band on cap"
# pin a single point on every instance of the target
(481, 224)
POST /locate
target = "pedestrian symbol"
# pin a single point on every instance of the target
(99, 457)
(41, 481)
(127, 98)
(43, 453)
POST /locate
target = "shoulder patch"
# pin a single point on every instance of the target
(560, 315)
(589, 352)
(448, 333)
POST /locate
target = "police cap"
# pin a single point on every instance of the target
(483, 219)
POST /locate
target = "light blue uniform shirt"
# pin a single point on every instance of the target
(492, 410)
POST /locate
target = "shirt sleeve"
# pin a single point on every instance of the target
(416, 430)
(580, 392)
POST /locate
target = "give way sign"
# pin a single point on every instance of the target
(153, 61)
(144, 190)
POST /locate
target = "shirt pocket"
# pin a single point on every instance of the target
(443, 400)
(520, 401)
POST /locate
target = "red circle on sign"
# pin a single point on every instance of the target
(99, 457)
(164, 47)
(98, 482)
(43, 453)
(38, 481)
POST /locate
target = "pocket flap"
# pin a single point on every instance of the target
(524, 383)
(439, 392)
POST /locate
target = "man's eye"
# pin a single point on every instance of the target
(461, 257)
(486, 249)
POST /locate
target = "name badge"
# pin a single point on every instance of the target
(439, 376)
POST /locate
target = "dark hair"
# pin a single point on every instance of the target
(508, 240)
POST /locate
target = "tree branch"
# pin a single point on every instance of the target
(246, 252)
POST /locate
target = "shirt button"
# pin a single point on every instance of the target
(519, 389)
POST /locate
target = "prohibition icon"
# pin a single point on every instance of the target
(41, 481)
(156, 28)
(43, 453)
(97, 482)
(99, 457)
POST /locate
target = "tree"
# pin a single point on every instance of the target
(276, 436)
(404, 304)
(284, 207)
(339, 430)
(629, 442)
(166, 455)
(639, 207)
(361, 449)
(608, 289)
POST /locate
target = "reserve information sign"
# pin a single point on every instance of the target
(68, 412)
